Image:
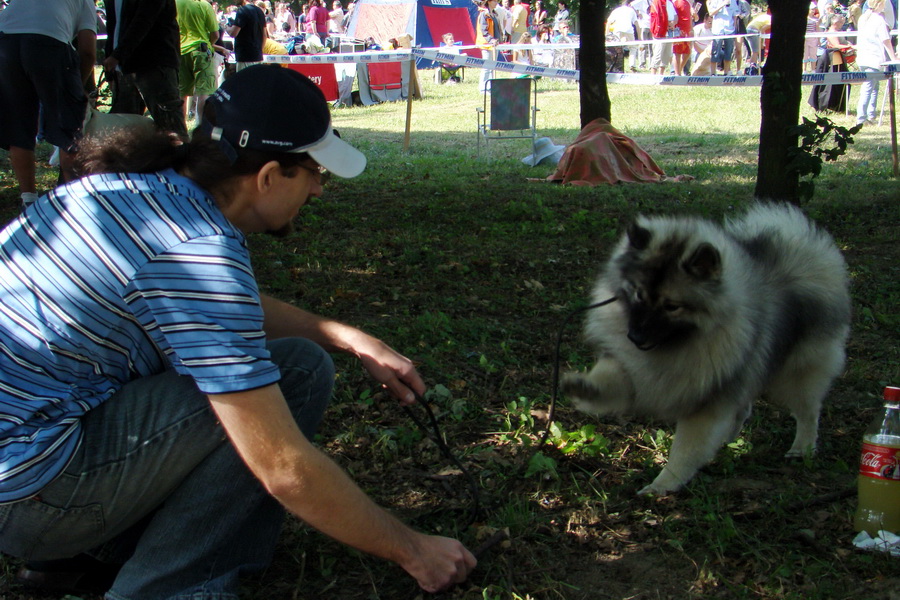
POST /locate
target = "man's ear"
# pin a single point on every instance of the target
(265, 177)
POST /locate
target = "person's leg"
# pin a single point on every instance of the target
(486, 74)
(67, 165)
(656, 57)
(186, 83)
(666, 58)
(55, 72)
(244, 65)
(862, 103)
(872, 107)
(751, 44)
(126, 99)
(19, 109)
(728, 51)
(715, 55)
(155, 485)
(64, 105)
(678, 61)
(645, 48)
(868, 98)
(159, 88)
(22, 162)
(204, 80)
(632, 49)
(222, 499)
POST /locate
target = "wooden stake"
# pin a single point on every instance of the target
(892, 91)
(410, 90)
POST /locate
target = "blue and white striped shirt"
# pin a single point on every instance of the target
(106, 280)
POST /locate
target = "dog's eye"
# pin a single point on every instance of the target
(671, 307)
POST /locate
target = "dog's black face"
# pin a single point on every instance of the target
(661, 287)
(654, 320)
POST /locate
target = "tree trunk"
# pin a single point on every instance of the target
(593, 93)
(780, 101)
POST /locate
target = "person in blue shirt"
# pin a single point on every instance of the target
(155, 407)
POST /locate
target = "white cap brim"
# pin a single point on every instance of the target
(337, 156)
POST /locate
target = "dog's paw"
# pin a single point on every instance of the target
(663, 485)
(580, 390)
(803, 452)
(652, 490)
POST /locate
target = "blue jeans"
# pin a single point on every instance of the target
(868, 97)
(156, 486)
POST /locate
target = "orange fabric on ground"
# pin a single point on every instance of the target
(602, 154)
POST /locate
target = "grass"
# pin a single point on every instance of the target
(469, 267)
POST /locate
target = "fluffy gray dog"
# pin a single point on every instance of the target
(708, 319)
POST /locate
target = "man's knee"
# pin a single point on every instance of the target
(307, 378)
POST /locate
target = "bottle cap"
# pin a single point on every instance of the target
(892, 394)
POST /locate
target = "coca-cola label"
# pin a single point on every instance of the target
(880, 462)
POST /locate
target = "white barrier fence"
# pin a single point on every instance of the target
(436, 54)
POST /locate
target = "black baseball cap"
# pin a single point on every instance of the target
(275, 109)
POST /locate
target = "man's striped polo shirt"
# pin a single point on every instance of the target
(106, 280)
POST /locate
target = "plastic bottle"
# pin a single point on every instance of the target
(879, 470)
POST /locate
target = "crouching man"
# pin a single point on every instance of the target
(155, 408)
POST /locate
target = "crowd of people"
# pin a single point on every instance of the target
(662, 22)
(166, 57)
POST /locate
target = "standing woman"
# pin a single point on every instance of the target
(831, 96)
(562, 16)
(811, 43)
(684, 24)
(302, 18)
(538, 16)
(872, 41)
(487, 36)
(318, 18)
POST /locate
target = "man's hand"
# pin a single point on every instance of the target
(317, 490)
(440, 563)
(110, 65)
(392, 370)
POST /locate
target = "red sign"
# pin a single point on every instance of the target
(320, 74)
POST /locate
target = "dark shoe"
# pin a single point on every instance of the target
(79, 574)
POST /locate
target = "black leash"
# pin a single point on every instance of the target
(433, 430)
(551, 412)
(434, 434)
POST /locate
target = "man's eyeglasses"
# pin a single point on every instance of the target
(323, 174)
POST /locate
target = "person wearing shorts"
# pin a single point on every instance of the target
(39, 68)
(199, 30)
(663, 18)
(723, 13)
(142, 52)
(249, 32)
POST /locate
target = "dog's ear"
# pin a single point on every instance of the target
(638, 237)
(705, 263)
